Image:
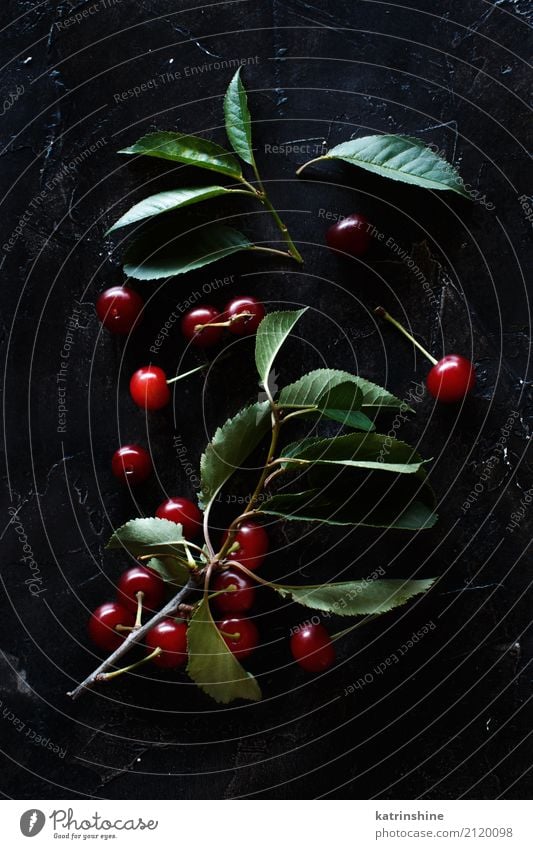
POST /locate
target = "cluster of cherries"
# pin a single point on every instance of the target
(450, 379)
(233, 595)
(120, 311)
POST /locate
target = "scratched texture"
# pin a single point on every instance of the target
(452, 717)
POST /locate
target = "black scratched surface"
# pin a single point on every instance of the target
(452, 717)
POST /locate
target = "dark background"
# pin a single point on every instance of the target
(452, 717)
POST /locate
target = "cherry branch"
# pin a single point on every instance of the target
(133, 638)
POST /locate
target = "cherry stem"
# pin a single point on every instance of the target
(186, 374)
(133, 638)
(284, 254)
(231, 636)
(180, 560)
(265, 200)
(250, 574)
(228, 323)
(364, 621)
(311, 162)
(303, 412)
(382, 313)
(106, 676)
(138, 616)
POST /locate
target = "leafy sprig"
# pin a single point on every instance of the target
(163, 252)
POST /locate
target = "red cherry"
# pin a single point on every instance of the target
(248, 324)
(237, 600)
(451, 379)
(119, 309)
(148, 388)
(131, 464)
(183, 512)
(172, 638)
(103, 622)
(312, 648)
(240, 635)
(253, 545)
(201, 315)
(140, 579)
(350, 236)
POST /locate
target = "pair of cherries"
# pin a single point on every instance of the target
(111, 621)
(203, 326)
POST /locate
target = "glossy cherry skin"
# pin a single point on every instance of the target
(140, 579)
(312, 649)
(238, 600)
(148, 388)
(172, 638)
(207, 337)
(103, 622)
(244, 636)
(451, 379)
(119, 309)
(253, 545)
(183, 512)
(350, 236)
(247, 325)
(131, 464)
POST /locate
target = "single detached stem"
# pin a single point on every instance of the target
(106, 676)
(186, 374)
(382, 313)
(133, 638)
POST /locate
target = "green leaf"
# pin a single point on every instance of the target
(400, 158)
(238, 120)
(357, 598)
(229, 448)
(167, 201)
(170, 570)
(189, 150)
(270, 336)
(342, 402)
(140, 536)
(311, 388)
(357, 420)
(153, 256)
(212, 665)
(360, 450)
(398, 504)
